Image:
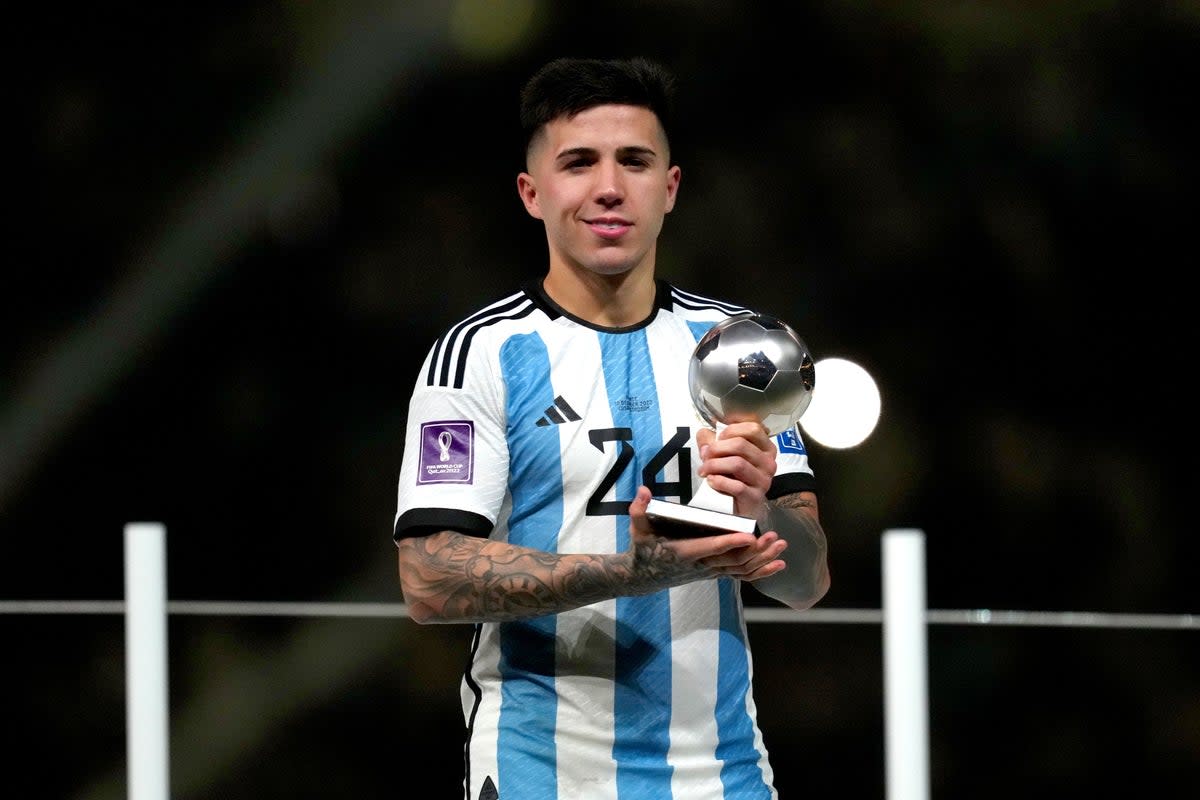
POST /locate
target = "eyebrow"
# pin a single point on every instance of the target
(622, 152)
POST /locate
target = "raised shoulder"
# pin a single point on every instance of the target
(447, 360)
(700, 308)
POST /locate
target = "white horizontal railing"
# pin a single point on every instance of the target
(843, 616)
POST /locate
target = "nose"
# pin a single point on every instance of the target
(610, 187)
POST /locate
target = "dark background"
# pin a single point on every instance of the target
(237, 232)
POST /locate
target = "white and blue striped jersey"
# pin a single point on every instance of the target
(531, 426)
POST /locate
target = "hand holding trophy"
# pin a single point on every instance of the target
(748, 367)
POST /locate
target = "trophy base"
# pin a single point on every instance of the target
(679, 520)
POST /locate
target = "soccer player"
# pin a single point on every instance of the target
(608, 660)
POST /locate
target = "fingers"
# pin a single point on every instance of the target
(721, 547)
(733, 435)
(637, 512)
(739, 461)
(692, 548)
(744, 440)
(737, 555)
(752, 562)
(752, 432)
(640, 500)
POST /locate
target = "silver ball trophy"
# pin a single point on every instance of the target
(748, 367)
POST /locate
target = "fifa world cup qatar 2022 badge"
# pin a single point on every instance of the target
(447, 452)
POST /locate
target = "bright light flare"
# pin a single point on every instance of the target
(845, 404)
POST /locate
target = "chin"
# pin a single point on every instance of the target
(612, 272)
(610, 267)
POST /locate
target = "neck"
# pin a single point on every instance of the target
(610, 301)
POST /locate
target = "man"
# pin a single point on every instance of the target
(608, 661)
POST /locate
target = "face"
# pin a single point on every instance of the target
(602, 184)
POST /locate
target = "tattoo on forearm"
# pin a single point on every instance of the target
(794, 518)
(657, 566)
(795, 501)
(467, 579)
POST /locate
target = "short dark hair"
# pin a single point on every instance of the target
(567, 86)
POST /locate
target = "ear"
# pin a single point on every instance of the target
(527, 189)
(673, 176)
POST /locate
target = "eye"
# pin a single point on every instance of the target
(578, 164)
(637, 161)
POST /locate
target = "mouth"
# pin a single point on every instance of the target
(609, 227)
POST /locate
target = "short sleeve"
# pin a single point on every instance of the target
(454, 467)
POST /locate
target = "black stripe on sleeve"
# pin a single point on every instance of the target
(424, 521)
(461, 370)
(433, 360)
(439, 361)
(790, 483)
(446, 344)
(699, 303)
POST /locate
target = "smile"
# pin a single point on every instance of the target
(609, 229)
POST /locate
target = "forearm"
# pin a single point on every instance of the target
(452, 577)
(806, 579)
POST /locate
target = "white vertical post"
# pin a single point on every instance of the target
(906, 713)
(146, 660)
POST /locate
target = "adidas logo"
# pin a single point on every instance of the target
(553, 417)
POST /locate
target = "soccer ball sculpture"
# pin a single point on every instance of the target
(752, 367)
